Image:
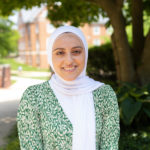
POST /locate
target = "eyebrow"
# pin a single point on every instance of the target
(71, 48)
(77, 47)
(58, 49)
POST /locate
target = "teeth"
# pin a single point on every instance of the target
(69, 69)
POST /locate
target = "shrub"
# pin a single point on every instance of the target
(134, 104)
(135, 140)
(101, 64)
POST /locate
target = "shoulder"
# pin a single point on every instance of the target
(36, 89)
(33, 96)
(33, 92)
(105, 90)
(105, 95)
(40, 86)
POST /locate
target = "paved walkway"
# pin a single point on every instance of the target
(9, 101)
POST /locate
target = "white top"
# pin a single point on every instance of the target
(80, 111)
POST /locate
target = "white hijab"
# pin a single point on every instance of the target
(82, 84)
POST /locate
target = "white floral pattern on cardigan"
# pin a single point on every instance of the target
(42, 124)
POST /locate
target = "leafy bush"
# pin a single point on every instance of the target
(101, 64)
(8, 37)
(135, 139)
(134, 101)
(134, 104)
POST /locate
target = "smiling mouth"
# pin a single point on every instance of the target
(69, 69)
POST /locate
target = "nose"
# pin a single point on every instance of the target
(68, 59)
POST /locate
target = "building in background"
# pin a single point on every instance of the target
(35, 29)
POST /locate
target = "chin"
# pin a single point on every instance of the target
(69, 79)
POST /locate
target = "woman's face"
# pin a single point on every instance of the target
(68, 56)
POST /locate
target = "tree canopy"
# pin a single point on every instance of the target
(8, 37)
(132, 60)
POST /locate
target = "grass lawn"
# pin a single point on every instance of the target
(12, 139)
(13, 81)
(41, 78)
(14, 65)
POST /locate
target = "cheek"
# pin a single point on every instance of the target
(81, 61)
(56, 62)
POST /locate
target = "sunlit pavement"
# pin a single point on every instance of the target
(15, 91)
(9, 101)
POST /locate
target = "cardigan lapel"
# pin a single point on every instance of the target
(98, 119)
(97, 106)
(58, 126)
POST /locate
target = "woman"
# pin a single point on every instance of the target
(71, 110)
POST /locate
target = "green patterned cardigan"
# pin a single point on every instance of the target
(43, 125)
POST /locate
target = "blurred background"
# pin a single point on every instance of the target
(118, 36)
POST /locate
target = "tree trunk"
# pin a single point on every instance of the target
(123, 49)
(117, 63)
(137, 32)
(126, 62)
(144, 67)
(114, 11)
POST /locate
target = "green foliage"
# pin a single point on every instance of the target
(135, 139)
(146, 19)
(59, 10)
(101, 64)
(12, 139)
(76, 13)
(13, 145)
(8, 37)
(7, 7)
(134, 102)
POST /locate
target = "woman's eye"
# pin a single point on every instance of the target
(76, 52)
(59, 53)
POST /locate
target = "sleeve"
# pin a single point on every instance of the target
(111, 128)
(29, 131)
